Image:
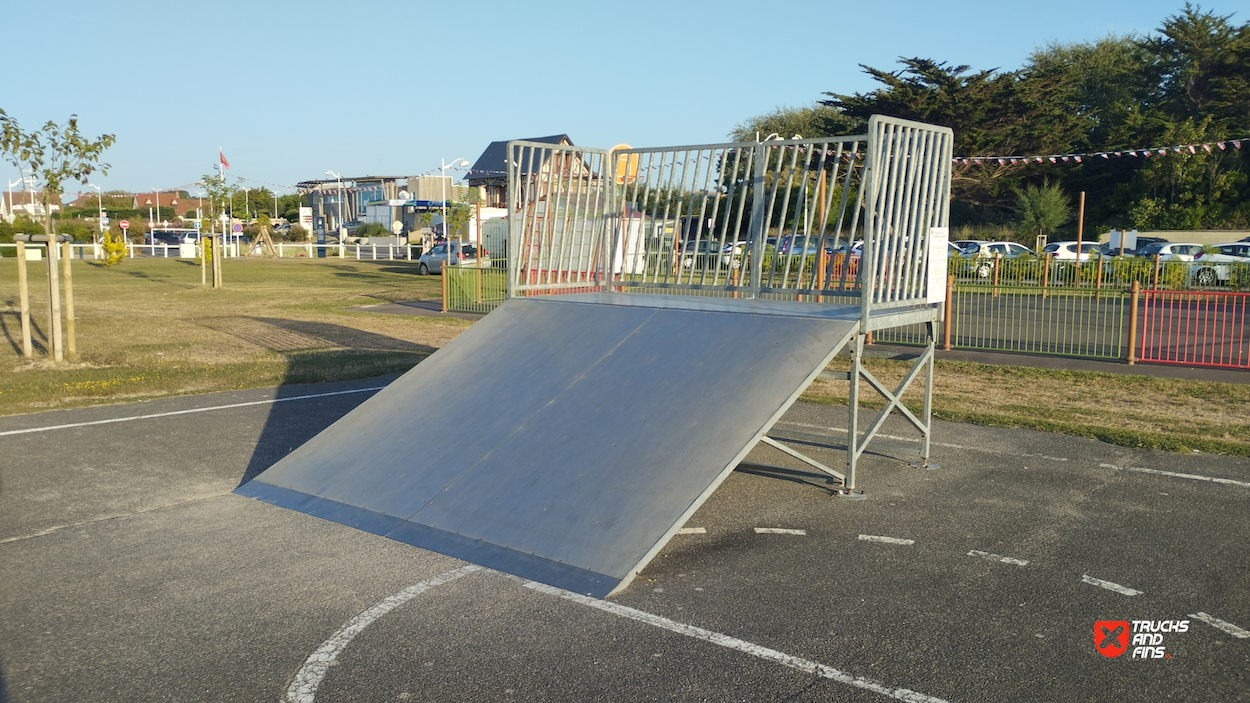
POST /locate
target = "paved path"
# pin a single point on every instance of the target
(130, 572)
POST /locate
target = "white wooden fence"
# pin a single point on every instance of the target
(365, 252)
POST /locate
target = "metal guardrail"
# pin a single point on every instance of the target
(473, 289)
(693, 219)
(1065, 322)
(1199, 328)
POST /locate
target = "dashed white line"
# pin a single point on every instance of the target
(887, 540)
(1125, 590)
(131, 418)
(778, 531)
(692, 531)
(1222, 625)
(1174, 474)
(804, 665)
(998, 557)
(303, 688)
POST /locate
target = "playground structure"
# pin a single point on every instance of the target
(652, 338)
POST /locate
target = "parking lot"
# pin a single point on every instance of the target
(131, 572)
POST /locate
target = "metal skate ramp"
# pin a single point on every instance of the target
(563, 440)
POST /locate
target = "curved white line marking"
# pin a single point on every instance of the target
(804, 665)
(303, 688)
(131, 418)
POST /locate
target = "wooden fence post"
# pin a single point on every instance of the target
(948, 313)
(1132, 323)
(54, 300)
(71, 343)
(23, 294)
(1154, 281)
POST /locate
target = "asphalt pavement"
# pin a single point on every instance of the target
(131, 572)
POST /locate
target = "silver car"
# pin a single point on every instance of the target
(462, 254)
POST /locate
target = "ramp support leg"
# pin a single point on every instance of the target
(855, 444)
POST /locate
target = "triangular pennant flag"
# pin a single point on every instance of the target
(1221, 146)
(1052, 159)
(1104, 155)
(1132, 153)
(1206, 148)
(1078, 159)
(1192, 150)
(1237, 143)
(1147, 153)
(1065, 159)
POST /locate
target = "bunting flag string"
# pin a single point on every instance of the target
(1105, 155)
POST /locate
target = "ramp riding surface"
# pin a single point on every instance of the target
(563, 439)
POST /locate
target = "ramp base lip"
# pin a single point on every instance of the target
(492, 556)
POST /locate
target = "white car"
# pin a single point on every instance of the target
(989, 250)
(1210, 269)
(1170, 251)
(1066, 251)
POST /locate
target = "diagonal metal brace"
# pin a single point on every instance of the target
(801, 457)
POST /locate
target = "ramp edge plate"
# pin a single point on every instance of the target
(492, 556)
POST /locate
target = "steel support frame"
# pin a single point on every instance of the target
(855, 444)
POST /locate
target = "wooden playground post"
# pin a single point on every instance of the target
(1131, 357)
(23, 294)
(54, 300)
(71, 343)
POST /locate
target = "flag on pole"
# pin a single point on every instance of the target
(224, 164)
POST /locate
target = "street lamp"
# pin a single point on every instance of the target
(443, 183)
(340, 180)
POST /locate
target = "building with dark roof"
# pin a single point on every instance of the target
(490, 174)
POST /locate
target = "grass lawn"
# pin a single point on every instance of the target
(147, 329)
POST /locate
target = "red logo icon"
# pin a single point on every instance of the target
(1111, 637)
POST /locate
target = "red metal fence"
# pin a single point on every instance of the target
(1190, 327)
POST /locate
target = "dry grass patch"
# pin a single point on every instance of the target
(146, 329)
(1136, 411)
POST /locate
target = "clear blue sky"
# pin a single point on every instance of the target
(290, 89)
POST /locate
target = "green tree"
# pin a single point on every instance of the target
(1043, 208)
(55, 154)
(786, 122)
(218, 194)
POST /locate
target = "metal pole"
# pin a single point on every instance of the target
(1080, 234)
(948, 313)
(24, 296)
(1132, 323)
(71, 343)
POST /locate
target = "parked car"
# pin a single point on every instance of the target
(1210, 269)
(1142, 243)
(704, 252)
(984, 252)
(1171, 251)
(462, 254)
(1066, 251)
(963, 244)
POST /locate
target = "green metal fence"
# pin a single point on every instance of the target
(473, 289)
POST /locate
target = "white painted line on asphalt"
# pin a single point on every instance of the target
(131, 418)
(998, 557)
(1174, 474)
(1222, 625)
(755, 650)
(986, 450)
(303, 688)
(692, 531)
(887, 540)
(1125, 590)
(778, 531)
